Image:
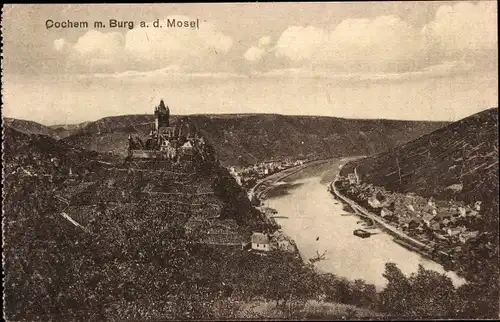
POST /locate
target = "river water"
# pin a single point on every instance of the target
(316, 224)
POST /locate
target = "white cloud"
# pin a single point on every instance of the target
(464, 28)
(98, 44)
(444, 69)
(59, 44)
(264, 41)
(388, 44)
(150, 48)
(385, 43)
(171, 45)
(297, 43)
(253, 54)
(162, 74)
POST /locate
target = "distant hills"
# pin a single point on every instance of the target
(29, 127)
(241, 139)
(55, 131)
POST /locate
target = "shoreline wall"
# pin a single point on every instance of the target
(416, 245)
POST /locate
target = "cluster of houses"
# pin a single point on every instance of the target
(449, 223)
(444, 220)
(249, 175)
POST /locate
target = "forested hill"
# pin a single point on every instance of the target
(457, 163)
(249, 138)
(89, 236)
(461, 156)
(28, 127)
(252, 138)
(95, 237)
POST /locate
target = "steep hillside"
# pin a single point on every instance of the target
(54, 131)
(457, 161)
(28, 127)
(458, 167)
(90, 236)
(241, 139)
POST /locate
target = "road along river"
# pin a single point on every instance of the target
(318, 223)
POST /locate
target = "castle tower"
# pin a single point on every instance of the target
(162, 116)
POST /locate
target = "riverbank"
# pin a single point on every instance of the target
(259, 189)
(401, 238)
(317, 223)
(368, 269)
(263, 186)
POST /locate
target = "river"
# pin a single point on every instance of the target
(315, 222)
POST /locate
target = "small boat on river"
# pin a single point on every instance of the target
(361, 233)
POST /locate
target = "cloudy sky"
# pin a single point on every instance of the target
(417, 60)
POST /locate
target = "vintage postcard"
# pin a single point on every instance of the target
(250, 161)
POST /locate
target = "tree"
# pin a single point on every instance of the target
(394, 298)
(432, 295)
(363, 294)
(425, 294)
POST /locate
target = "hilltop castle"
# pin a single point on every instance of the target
(166, 141)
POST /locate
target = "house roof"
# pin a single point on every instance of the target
(386, 211)
(428, 208)
(428, 217)
(470, 234)
(454, 231)
(417, 220)
(404, 220)
(436, 225)
(260, 238)
(444, 213)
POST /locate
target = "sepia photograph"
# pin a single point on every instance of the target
(250, 161)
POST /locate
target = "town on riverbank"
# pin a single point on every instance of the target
(436, 229)
(248, 176)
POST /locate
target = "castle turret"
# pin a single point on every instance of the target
(162, 116)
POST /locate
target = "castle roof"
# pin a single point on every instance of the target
(260, 238)
(162, 108)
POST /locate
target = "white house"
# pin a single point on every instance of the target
(187, 145)
(374, 202)
(385, 212)
(464, 236)
(165, 145)
(260, 242)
